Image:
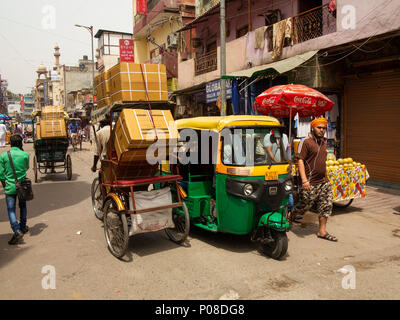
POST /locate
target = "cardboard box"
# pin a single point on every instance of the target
(37, 132)
(103, 89)
(53, 128)
(135, 130)
(52, 112)
(127, 85)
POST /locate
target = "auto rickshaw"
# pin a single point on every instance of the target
(231, 183)
(27, 130)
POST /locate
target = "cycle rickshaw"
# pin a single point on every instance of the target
(121, 196)
(50, 151)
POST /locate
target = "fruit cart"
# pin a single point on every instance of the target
(348, 179)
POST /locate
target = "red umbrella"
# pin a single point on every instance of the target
(287, 100)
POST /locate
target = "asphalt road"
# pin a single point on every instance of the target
(66, 236)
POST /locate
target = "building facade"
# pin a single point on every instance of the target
(108, 48)
(347, 49)
(155, 37)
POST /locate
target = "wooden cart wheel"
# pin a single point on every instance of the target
(35, 169)
(115, 229)
(97, 199)
(343, 204)
(69, 167)
(180, 216)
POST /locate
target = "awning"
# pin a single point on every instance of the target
(279, 67)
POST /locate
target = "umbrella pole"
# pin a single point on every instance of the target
(290, 134)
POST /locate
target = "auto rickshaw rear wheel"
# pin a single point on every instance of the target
(115, 229)
(277, 248)
(182, 225)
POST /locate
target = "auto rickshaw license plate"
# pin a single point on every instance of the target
(272, 175)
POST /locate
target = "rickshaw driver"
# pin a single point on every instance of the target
(102, 137)
(272, 147)
(73, 131)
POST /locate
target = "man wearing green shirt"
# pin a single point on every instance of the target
(21, 164)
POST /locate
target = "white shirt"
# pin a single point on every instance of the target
(3, 129)
(102, 137)
(275, 150)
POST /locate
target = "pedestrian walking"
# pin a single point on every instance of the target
(3, 134)
(20, 160)
(316, 188)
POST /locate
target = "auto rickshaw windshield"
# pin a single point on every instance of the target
(249, 146)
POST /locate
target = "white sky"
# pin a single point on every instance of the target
(30, 29)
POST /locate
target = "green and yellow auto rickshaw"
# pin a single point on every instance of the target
(236, 177)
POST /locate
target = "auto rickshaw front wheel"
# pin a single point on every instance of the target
(115, 229)
(277, 246)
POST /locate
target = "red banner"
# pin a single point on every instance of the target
(141, 6)
(22, 102)
(126, 53)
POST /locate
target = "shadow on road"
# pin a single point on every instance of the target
(52, 196)
(150, 243)
(44, 177)
(350, 209)
(7, 252)
(228, 242)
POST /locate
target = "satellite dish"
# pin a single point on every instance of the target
(82, 66)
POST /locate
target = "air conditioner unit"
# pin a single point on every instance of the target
(172, 40)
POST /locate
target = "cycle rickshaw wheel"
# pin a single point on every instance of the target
(97, 199)
(115, 229)
(35, 169)
(69, 167)
(180, 216)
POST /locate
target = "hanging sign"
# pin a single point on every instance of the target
(126, 50)
(141, 6)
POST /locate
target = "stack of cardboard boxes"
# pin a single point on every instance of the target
(136, 130)
(103, 92)
(127, 82)
(52, 123)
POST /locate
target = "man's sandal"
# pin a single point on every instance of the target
(329, 237)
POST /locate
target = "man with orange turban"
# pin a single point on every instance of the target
(316, 188)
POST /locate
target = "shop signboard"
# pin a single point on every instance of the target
(126, 50)
(22, 102)
(141, 6)
(213, 90)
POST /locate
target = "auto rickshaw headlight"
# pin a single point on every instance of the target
(248, 189)
(288, 186)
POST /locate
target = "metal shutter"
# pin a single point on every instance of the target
(372, 125)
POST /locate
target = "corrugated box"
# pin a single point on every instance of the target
(52, 112)
(126, 80)
(53, 128)
(37, 132)
(103, 89)
(135, 130)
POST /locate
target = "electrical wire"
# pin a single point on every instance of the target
(42, 30)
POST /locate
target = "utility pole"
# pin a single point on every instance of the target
(223, 58)
(90, 29)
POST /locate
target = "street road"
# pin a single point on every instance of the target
(66, 235)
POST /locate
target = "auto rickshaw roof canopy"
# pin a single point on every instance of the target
(219, 123)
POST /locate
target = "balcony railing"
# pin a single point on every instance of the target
(205, 63)
(309, 25)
